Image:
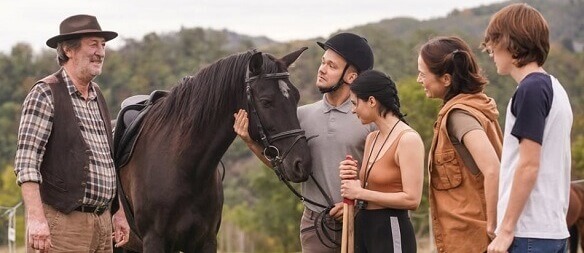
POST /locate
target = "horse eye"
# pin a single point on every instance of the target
(266, 102)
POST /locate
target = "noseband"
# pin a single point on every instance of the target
(271, 152)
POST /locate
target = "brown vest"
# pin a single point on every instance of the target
(457, 197)
(65, 165)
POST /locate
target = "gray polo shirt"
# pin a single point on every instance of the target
(340, 133)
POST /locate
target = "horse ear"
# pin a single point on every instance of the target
(255, 63)
(291, 57)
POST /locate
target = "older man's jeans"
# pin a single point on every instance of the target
(535, 245)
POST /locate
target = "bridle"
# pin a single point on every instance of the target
(271, 152)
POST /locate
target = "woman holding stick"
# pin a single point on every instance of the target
(391, 178)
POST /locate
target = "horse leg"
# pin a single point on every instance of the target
(122, 250)
(154, 244)
(574, 238)
(210, 246)
(574, 206)
(580, 228)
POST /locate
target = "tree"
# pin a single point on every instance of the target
(9, 197)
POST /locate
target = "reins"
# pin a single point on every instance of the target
(271, 152)
(273, 155)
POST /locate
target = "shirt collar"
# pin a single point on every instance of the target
(345, 107)
(73, 90)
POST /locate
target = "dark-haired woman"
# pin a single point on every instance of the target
(465, 153)
(390, 179)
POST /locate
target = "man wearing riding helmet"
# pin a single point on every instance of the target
(339, 133)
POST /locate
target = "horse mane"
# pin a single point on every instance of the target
(197, 99)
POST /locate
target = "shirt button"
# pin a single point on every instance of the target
(83, 184)
(80, 200)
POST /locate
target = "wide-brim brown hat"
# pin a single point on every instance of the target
(77, 26)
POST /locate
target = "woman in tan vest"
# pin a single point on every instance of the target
(465, 153)
(391, 177)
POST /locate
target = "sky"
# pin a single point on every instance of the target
(35, 21)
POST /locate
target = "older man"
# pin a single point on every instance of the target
(63, 160)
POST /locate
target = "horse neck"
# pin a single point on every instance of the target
(210, 145)
(200, 113)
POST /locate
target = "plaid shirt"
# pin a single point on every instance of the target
(34, 131)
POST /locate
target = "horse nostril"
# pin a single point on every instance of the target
(298, 165)
(298, 174)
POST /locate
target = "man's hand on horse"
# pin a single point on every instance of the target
(121, 234)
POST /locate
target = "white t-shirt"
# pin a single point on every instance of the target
(540, 111)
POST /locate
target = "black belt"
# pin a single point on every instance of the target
(92, 209)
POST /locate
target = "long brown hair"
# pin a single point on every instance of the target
(451, 55)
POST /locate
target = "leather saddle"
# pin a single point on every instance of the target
(129, 124)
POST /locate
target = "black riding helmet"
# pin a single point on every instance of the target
(354, 49)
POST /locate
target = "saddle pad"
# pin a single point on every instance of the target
(129, 124)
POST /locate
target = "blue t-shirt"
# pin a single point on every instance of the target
(531, 105)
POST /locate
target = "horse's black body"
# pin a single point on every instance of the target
(171, 181)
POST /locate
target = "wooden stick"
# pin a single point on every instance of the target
(344, 238)
(350, 227)
(348, 236)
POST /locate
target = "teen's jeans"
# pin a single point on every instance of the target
(535, 245)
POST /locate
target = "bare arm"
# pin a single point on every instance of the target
(241, 126)
(39, 235)
(523, 182)
(487, 160)
(410, 158)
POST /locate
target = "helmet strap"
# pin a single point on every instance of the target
(338, 84)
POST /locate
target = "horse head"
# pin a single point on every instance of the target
(272, 101)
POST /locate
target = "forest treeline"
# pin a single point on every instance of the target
(260, 214)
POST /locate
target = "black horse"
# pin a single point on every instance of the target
(171, 181)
